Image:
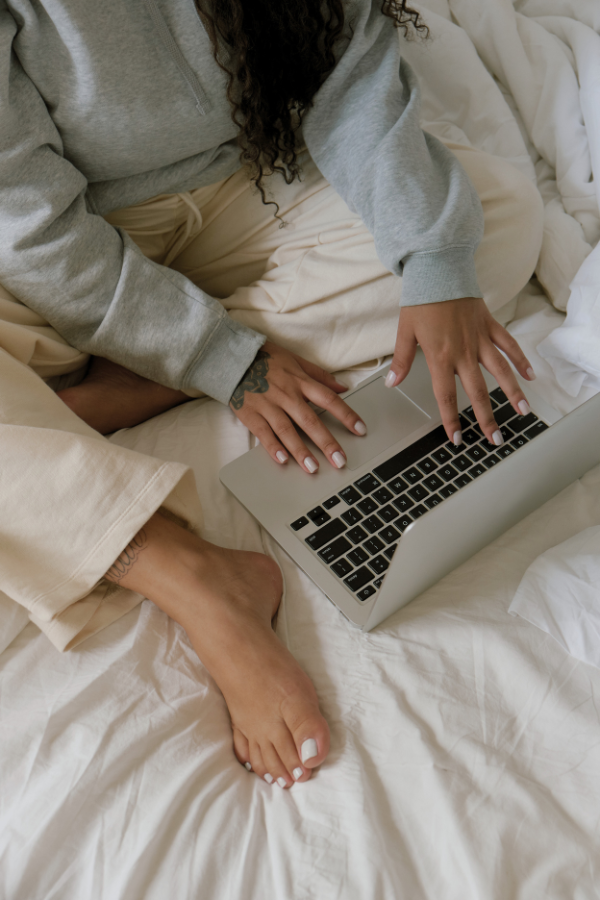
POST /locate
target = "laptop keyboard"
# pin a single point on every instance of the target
(356, 531)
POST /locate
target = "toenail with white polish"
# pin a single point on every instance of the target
(308, 750)
(268, 778)
(248, 766)
(497, 438)
(311, 464)
(297, 773)
(281, 456)
(389, 379)
(338, 459)
(360, 427)
(282, 782)
(523, 407)
(457, 439)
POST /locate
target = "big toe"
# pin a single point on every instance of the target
(309, 731)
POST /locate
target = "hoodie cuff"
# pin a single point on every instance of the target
(437, 275)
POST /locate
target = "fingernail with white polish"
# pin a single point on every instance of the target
(457, 438)
(281, 782)
(248, 766)
(281, 456)
(297, 773)
(338, 459)
(360, 427)
(311, 464)
(531, 374)
(308, 750)
(269, 778)
(523, 407)
(497, 438)
(390, 378)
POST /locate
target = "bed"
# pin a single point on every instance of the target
(465, 742)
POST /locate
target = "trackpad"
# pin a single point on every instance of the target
(389, 416)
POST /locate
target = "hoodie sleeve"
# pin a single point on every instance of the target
(411, 192)
(88, 279)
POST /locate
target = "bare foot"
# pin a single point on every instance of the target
(225, 600)
(111, 397)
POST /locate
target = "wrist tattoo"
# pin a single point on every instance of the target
(254, 380)
(126, 560)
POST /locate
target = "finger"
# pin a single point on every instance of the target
(326, 399)
(506, 342)
(476, 389)
(261, 429)
(404, 355)
(301, 413)
(498, 366)
(283, 427)
(444, 389)
(321, 375)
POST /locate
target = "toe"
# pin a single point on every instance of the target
(241, 747)
(275, 766)
(288, 754)
(309, 731)
(258, 763)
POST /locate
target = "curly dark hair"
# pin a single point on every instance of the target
(277, 55)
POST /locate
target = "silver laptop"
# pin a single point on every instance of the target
(410, 506)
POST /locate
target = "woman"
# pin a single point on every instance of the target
(125, 206)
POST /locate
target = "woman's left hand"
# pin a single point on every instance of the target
(455, 336)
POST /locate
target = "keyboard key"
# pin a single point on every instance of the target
(453, 449)
(377, 583)
(433, 483)
(470, 437)
(447, 472)
(519, 441)
(470, 413)
(505, 451)
(367, 592)
(523, 422)
(299, 523)
(462, 463)
(367, 505)
(403, 522)
(418, 511)
(341, 568)
(351, 516)
(491, 460)
(367, 483)
(498, 395)
(419, 492)
(383, 495)
(333, 501)
(463, 481)
(477, 470)
(350, 495)
(359, 578)
(441, 456)
(379, 564)
(413, 475)
(537, 429)
(427, 466)
(403, 503)
(397, 485)
(476, 453)
(410, 455)
(372, 524)
(358, 556)
(448, 491)
(389, 551)
(504, 413)
(318, 516)
(357, 534)
(332, 551)
(488, 446)
(374, 545)
(389, 534)
(388, 513)
(506, 433)
(326, 534)
(433, 501)
(464, 422)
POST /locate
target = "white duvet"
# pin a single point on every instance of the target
(465, 742)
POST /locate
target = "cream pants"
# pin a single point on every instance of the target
(70, 500)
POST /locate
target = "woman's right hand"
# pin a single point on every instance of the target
(273, 397)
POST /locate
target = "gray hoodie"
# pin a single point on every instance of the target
(106, 104)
